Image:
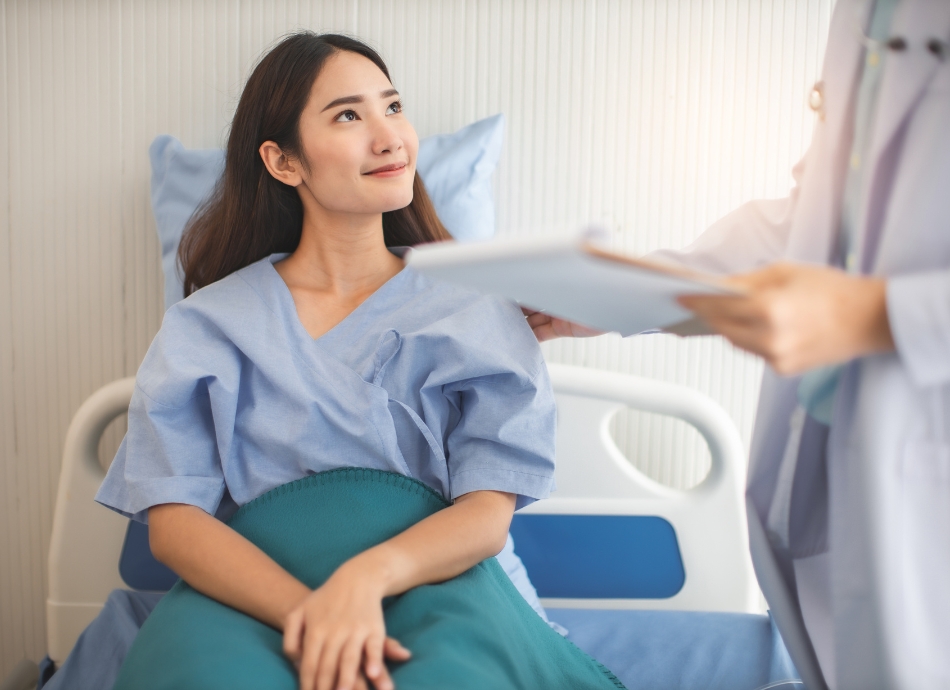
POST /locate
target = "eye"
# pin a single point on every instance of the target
(347, 116)
(394, 107)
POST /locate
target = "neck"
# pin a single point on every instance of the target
(341, 253)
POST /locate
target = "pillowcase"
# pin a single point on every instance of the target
(456, 169)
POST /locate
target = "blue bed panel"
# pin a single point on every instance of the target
(599, 556)
(137, 565)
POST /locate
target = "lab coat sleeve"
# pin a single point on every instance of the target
(750, 237)
(918, 308)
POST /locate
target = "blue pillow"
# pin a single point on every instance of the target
(456, 168)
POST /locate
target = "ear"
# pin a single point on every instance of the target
(281, 167)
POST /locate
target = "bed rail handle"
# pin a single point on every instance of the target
(85, 535)
(595, 478)
(675, 400)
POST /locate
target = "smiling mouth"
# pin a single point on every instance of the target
(391, 168)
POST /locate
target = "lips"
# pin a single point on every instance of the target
(392, 167)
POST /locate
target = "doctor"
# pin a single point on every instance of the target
(849, 303)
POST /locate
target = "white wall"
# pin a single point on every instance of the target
(656, 117)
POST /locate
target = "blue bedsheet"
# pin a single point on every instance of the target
(658, 650)
(682, 650)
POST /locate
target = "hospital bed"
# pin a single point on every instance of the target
(634, 569)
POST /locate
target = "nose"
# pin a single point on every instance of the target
(386, 138)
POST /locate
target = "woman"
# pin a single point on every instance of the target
(279, 366)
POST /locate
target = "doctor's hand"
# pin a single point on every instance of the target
(799, 317)
(337, 636)
(547, 327)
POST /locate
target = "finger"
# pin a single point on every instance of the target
(544, 332)
(383, 681)
(528, 312)
(374, 656)
(293, 635)
(719, 307)
(329, 663)
(392, 649)
(361, 683)
(537, 319)
(575, 330)
(770, 276)
(313, 644)
(350, 659)
(748, 339)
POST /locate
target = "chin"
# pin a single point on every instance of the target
(396, 202)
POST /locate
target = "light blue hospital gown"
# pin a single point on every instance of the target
(424, 379)
(234, 398)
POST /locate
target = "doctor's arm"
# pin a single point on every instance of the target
(750, 237)
(800, 317)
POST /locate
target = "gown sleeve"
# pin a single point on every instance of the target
(178, 422)
(504, 438)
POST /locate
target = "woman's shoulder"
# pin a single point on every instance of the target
(238, 290)
(202, 335)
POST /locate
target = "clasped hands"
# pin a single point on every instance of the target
(795, 316)
(336, 636)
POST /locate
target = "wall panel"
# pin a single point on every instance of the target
(653, 117)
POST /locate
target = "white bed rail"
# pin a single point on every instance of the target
(594, 478)
(87, 538)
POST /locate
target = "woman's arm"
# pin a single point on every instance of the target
(219, 562)
(339, 627)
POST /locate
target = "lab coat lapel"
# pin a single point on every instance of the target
(842, 72)
(819, 218)
(907, 72)
(832, 145)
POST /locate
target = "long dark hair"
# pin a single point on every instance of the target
(251, 215)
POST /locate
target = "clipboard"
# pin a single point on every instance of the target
(573, 279)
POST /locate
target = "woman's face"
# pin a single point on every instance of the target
(360, 148)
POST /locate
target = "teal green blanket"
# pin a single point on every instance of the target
(474, 631)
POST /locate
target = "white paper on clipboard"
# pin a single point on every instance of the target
(570, 278)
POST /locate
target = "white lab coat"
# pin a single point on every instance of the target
(881, 513)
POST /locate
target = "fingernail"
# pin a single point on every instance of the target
(372, 670)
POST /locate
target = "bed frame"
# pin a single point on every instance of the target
(600, 496)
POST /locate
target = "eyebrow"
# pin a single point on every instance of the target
(347, 100)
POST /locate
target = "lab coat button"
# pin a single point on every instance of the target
(897, 44)
(936, 47)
